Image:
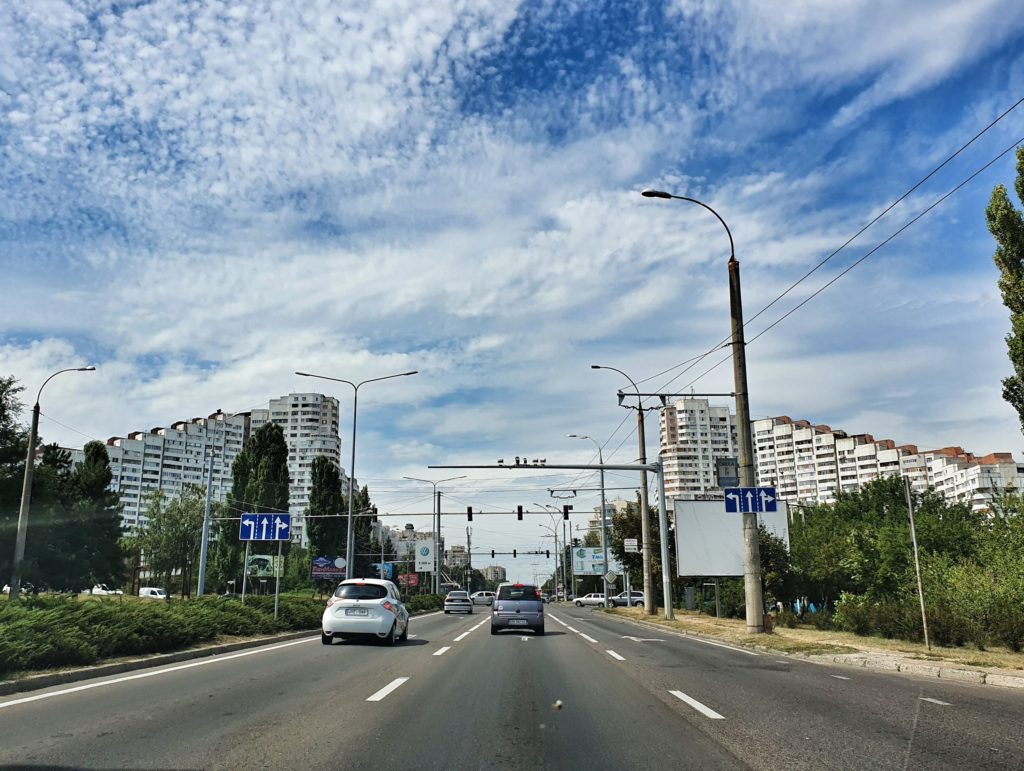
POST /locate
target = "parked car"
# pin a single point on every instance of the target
(153, 593)
(102, 590)
(458, 602)
(544, 597)
(594, 598)
(517, 606)
(482, 598)
(365, 607)
(633, 599)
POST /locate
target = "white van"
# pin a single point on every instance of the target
(153, 592)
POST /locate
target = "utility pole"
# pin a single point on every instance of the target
(751, 550)
(437, 543)
(469, 559)
(204, 548)
(917, 562)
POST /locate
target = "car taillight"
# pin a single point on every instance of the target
(331, 601)
(388, 606)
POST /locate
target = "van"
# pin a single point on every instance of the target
(153, 592)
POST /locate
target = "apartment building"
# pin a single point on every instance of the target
(165, 459)
(812, 463)
(310, 425)
(494, 573)
(456, 557)
(694, 434)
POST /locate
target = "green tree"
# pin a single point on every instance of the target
(172, 535)
(325, 523)
(13, 444)
(1006, 224)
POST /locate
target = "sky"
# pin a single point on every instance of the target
(200, 198)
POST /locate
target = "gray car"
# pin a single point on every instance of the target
(517, 606)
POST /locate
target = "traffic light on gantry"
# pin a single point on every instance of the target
(565, 511)
(519, 512)
(492, 553)
(513, 554)
(469, 513)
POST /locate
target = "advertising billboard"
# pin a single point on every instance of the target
(709, 541)
(328, 568)
(424, 556)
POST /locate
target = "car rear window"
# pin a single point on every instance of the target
(360, 592)
(458, 595)
(518, 592)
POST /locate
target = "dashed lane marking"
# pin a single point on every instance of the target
(701, 708)
(615, 655)
(587, 637)
(440, 651)
(839, 677)
(936, 701)
(392, 686)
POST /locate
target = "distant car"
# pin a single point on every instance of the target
(544, 597)
(594, 598)
(153, 593)
(632, 599)
(517, 606)
(458, 602)
(365, 607)
(482, 598)
(102, 590)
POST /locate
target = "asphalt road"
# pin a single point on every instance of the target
(595, 692)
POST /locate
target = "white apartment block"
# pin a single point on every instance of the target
(811, 463)
(494, 573)
(693, 435)
(456, 557)
(165, 459)
(310, 425)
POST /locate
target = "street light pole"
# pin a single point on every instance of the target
(349, 544)
(26, 487)
(645, 517)
(751, 557)
(604, 515)
(437, 525)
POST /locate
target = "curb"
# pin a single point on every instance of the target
(46, 680)
(884, 662)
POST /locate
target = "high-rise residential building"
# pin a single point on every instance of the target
(165, 459)
(310, 425)
(494, 573)
(456, 557)
(694, 434)
(810, 463)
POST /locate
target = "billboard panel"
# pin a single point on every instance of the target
(424, 556)
(709, 542)
(328, 568)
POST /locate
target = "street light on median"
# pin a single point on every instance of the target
(349, 545)
(604, 514)
(752, 558)
(26, 488)
(437, 525)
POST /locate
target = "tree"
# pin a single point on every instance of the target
(325, 523)
(1006, 224)
(13, 444)
(173, 533)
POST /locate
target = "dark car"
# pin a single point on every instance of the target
(517, 606)
(634, 599)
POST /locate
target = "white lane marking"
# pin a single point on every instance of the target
(615, 655)
(781, 662)
(642, 639)
(441, 651)
(720, 645)
(936, 701)
(839, 677)
(412, 636)
(587, 637)
(706, 711)
(572, 629)
(154, 673)
(556, 618)
(394, 684)
(457, 639)
(480, 624)
(525, 639)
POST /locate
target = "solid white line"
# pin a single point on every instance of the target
(839, 677)
(615, 655)
(706, 711)
(153, 673)
(442, 650)
(936, 701)
(572, 629)
(587, 637)
(556, 618)
(394, 684)
(720, 645)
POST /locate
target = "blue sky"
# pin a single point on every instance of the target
(202, 197)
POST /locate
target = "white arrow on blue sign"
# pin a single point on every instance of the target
(265, 527)
(743, 500)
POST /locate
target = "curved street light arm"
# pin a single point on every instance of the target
(662, 194)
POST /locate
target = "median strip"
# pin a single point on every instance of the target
(389, 688)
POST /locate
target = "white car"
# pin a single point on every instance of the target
(365, 607)
(482, 598)
(458, 602)
(153, 593)
(102, 590)
(594, 598)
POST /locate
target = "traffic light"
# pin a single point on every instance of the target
(469, 513)
(513, 554)
(373, 514)
(519, 512)
(548, 554)
(492, 553)
(565, 511)
(575, 542)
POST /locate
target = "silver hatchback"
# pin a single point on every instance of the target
(517, 606)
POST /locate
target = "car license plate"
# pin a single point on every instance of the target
(517, 622)
(355, 611)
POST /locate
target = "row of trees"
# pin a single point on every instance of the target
(73, 533)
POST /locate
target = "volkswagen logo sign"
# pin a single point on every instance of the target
(424, 551)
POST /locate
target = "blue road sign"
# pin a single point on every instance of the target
(265, 527)
(742, 500)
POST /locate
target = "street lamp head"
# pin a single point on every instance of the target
(655, 194)
(596, 366)
(414, 372)
(304, 374)
(90, 368)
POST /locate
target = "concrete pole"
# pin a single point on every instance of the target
(204, 547)
(645, 518)
(245, 569)
(751, 554)
(917, 562)
(604, 530)
(350, 547)
(437, 540)
(26, 501)
(666, 575)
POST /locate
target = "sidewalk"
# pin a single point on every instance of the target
(1001, 668)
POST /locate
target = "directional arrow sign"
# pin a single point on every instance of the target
(265, 527)
(743, 500)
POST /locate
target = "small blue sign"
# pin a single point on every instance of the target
(265, 527)
(743, 500)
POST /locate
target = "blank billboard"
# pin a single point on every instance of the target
(709, 542)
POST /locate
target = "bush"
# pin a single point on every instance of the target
(424, 603)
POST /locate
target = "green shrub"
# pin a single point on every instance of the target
(424, 603)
